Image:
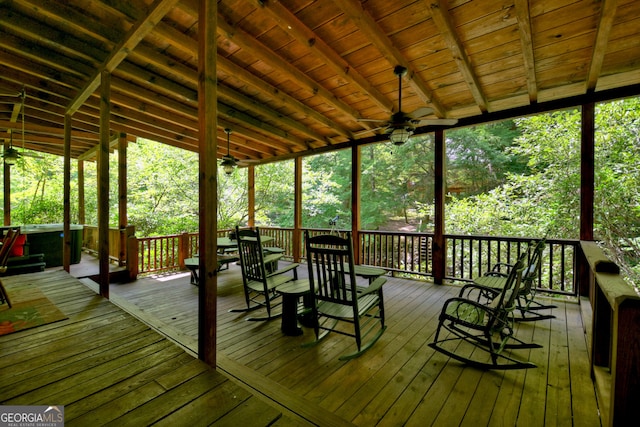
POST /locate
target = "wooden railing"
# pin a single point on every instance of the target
(403, 253)
(117, 241)
(614, 351)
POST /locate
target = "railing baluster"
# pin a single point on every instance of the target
(403, 253)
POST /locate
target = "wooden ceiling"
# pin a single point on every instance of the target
(295, 76)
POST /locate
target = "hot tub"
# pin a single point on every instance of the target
(47, 239)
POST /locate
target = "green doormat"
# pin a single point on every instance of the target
(30, 308)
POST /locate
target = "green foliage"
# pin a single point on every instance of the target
(37, 189)
(518, 178)
(479, 157)
(162, 188)
(546, 200)
(275, 187)
(326, 189)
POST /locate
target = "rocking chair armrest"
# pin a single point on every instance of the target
(498, 266)
(283, 270)
(375, 286)
(271, 258)
(466, 291)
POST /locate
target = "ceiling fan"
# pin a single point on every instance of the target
(10, 154)
(229, 162)
(402, 125)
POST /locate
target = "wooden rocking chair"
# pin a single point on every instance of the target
(260, 283)
(489, 327)
(338, 304)
(493, 282)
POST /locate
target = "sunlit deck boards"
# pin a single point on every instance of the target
(400, 380)
(107, 367)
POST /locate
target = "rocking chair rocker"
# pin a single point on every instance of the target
(488, 327)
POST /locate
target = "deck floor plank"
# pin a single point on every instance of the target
(106, 366)
(401, 380)
(278, 381)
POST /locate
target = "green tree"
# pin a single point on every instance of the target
(479, 157)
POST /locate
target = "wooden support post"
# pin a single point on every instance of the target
(183, 249)
(297, 210)
(103, 184)
(587, 160)
(7, 189)
(81, 211)
(66, 197)
(132, 256)
(356, 175)
(587, 188)
(251, 196)
(122, 197)
(208, 200)
(439, 248)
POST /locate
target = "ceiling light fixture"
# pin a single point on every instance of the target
(11, 156)
(228, 161)
(400, 135)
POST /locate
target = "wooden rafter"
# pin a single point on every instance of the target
(442, 19)
(330, 70)
(280, 98)
(607, 14)
(155, 13)
(526, 41)
(305, 36)
(262, 52)
(356, 12)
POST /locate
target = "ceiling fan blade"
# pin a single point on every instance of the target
(33, 155)
(420, 112)
(363, 132)
(372, 120)
(247, 162)
(437, 122)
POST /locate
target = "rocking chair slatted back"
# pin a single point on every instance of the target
(333, 268)
(336, 297)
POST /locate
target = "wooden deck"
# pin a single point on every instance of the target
(108, 368)
(400, 381)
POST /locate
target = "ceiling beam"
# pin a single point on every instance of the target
(305, 36)
(259, 51)
(155, 13)
(607, 14)
(31, 128)
(354, 9)
(442, 18)
(526, 42)
(190, 46)
(263, 109)
(278, 96)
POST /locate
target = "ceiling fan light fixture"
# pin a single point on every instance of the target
(11, 156)
(228, 164)
(400, 135)
(228, 161)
